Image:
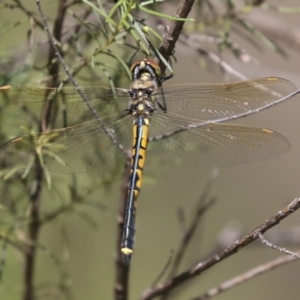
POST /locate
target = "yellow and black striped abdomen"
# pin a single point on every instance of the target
(139, 148)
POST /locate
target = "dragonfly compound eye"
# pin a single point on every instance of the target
(139, 68)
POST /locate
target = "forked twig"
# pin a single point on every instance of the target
(206, 264)
(242, 278)
(273, 246)
(202, 208)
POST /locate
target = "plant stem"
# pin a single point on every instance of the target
(33, 234)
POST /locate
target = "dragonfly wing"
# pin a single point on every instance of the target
(63, 107)
(77, 149)
(222, 102)
(215, 145)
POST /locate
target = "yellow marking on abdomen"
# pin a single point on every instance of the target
(267, 130)
(126, 251)
(139, 146)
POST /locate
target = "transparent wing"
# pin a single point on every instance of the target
(221, 102)
(205, 102)
(213, 145)
(65, 106)
(185, 134)
(81, 148)
(87, 147)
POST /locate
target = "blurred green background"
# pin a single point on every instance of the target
(245, 193)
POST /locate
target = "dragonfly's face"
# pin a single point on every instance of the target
(145, 68)
(145, 76)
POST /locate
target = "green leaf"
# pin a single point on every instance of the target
(100, 11)
(160, 15)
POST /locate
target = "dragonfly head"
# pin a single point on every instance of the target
(145, 69)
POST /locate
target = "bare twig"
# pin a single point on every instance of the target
(75, 84)
(164, 269)
(33, 233)
(201, 209)
(173, 31)
(242, 278)
(273, 246)
(30, 14)
(202, 266)
(35, 194)
(223, 64)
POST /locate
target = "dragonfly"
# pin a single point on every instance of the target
(177, 124)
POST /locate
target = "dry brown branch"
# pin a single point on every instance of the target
(242, 278)
(211, 261)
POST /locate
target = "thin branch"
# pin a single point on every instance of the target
(242, 278)
(273, 246)
(75, 84)
(173, 31)
(201, 210)
(53, 63)
(33, 233)
(208, 263)
(35, 194)
(224, 65)
(30, 14)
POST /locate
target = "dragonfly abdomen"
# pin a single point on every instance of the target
(139, 148)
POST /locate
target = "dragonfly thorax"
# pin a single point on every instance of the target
(142, 88)
(142, 106)
(142, 97)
